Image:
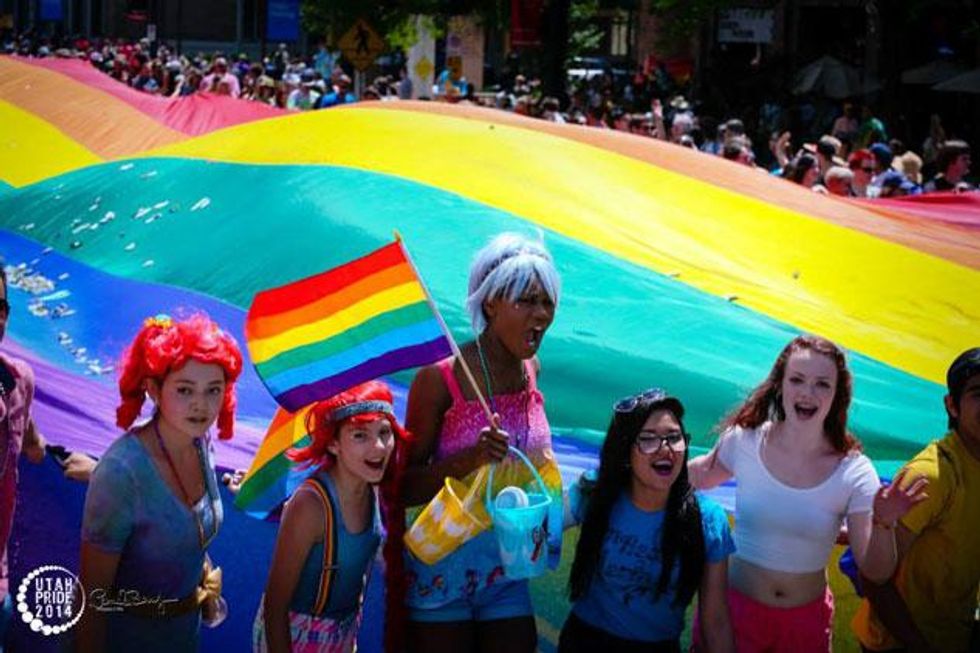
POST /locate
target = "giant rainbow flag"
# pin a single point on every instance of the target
(679, 269)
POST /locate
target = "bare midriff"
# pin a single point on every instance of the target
(779, 589)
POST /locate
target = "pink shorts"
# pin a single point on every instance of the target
(761, 628)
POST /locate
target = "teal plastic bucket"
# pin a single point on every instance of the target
(522, 530)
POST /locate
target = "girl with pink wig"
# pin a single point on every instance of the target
(152, 506)
(333, 525)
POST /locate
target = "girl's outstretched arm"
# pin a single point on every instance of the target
(301, 525)
(708, 471)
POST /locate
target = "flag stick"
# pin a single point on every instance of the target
(446, 331)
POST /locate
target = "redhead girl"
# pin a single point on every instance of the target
(152, 506)
(648, 544)
(801, 475)
(332, 527)
(465, 602)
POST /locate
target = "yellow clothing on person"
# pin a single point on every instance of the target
(940, 574)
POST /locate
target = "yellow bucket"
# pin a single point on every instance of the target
(448, 521)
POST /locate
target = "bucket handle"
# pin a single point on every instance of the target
(475, 485)
(520, 454)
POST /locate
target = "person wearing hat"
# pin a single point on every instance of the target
(825, 150)
(219, 75)
(340, 95)
(301, 98)
(882, 155)
(894, 184)
(265, 90)
(910, 165)
(930, 603)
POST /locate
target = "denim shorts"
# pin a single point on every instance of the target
(503, 600)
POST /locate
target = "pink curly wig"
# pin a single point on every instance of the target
(163, 346)
(324, 432)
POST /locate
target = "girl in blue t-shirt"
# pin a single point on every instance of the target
(648, 544)
(152, 508)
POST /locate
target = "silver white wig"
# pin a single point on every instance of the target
(505, 268)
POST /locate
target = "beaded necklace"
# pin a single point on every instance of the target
(180, 483)
(493, 404)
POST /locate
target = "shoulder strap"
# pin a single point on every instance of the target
(329, 545)
(446, 369)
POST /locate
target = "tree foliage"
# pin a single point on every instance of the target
(585, 34)
(683, 18)
(395, 19)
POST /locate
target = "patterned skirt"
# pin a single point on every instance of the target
(311, 634)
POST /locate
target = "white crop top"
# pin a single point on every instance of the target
(785, 528)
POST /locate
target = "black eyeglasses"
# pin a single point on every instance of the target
(648, 442)
(627, 404)
(4, 307)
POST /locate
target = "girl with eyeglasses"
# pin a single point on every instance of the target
(800, 475)
(465, 602)
(152, 506)
(332, 527)
(648, 545)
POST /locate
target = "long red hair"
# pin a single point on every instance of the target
(323, 432)
(164, 345)
(766, 401)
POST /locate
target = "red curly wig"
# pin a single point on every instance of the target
(323, 432)
(766, 401)
(164, 345)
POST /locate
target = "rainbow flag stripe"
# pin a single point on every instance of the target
(318, 336)
(272, 476)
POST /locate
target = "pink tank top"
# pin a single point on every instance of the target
(521, 414)
(477, 564)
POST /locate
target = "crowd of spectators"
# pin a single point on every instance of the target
(853, 157)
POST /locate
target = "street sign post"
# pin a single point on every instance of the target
(361, 45)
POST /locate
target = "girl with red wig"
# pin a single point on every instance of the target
(152, 506)
(801, 475)
(332, 527)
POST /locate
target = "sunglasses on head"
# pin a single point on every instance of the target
(627, 404)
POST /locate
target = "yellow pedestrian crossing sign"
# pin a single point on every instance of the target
(361, 45)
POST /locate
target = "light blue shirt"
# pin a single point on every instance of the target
(354, 555)
(130, 510)
(620, 599)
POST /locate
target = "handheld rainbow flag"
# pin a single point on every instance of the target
(272, 476)
(318, 336)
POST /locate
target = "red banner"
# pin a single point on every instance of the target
(525, 23)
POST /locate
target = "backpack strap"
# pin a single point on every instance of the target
(329, 545)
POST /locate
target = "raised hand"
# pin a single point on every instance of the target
(78, 467)
(893, 501)
(233, 480)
